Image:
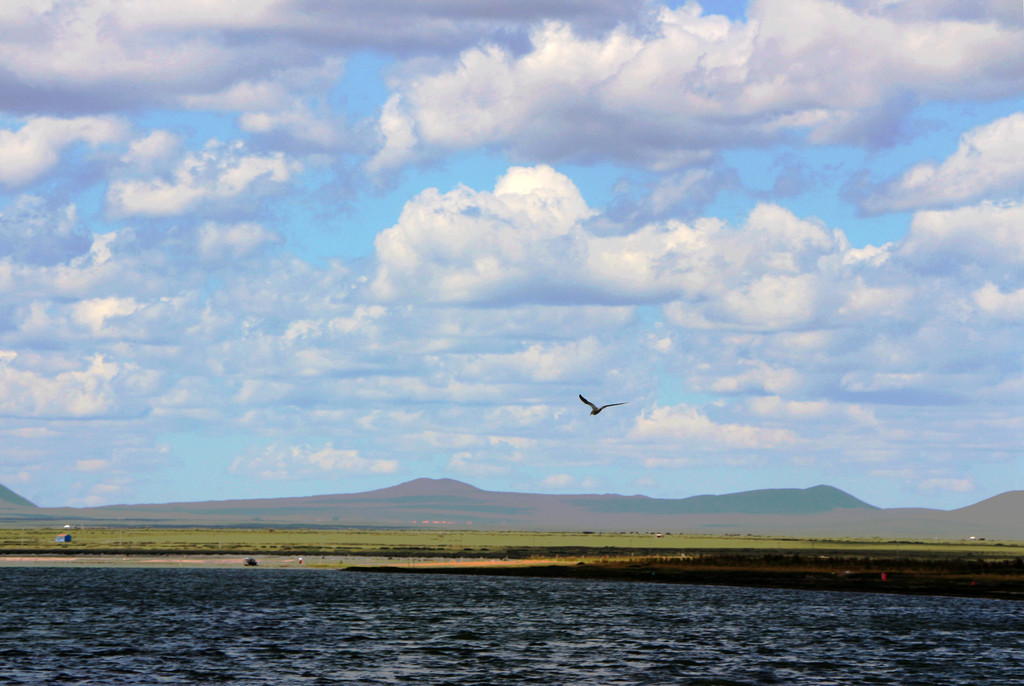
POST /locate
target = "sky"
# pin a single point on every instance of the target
(271, 248)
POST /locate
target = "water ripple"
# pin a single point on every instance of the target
(263, 626)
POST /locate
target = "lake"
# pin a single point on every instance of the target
(279, 626)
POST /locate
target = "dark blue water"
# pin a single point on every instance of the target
(264, 626)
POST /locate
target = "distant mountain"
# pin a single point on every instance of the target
(453, 503)
(450, 504)
(9, 497)
(1003, 507)
(428, 487)
(765, 501)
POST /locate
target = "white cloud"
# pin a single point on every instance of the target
(297, 121)
(542, 362)
(286, 101)
(993, 301)
(868, 381)
(153, 152)
(525, 242)
(958, 485)
(981, 234)
(35, 148)
(986, 164)
(218, 173)
(94, 313)
(126, 52)
(557, 481)
(243, 95)
(689, 423)
(92, 465)
(78, 393)
(758, 377)
(233, 241)
(103, 493)
(260, 57)
(775, 406)
(689, 83)
(20, 477)
(304, 461)
(995, 11)
(891, 301)
(775, 301)
(467, 245)
(469, 464)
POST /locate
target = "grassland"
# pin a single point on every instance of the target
(471, 544)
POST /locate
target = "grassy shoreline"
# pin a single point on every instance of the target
(969, 578)
(999, 580)
(993, 569)
(476, 544)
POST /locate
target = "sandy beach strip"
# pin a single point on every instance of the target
(271, 561)
(122, 561)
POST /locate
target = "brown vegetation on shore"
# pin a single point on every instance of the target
(950, 577)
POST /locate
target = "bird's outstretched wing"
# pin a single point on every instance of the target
(594, 409)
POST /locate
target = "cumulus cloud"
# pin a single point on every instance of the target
(991, 299)
(690, 83)
(95, 55)
(152, 153)
(986, 164)
(466, 245)
(526, 242)
(80, 393)
(287, 104)
(35, 148)
(538, 362)
(217, 174)
(304, 461)
(95, 312)
(690, 423)
(988, 233)
(998, 11)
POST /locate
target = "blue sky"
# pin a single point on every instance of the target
(290, 248)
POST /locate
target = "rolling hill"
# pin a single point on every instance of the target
(9, 498)
(450, 504)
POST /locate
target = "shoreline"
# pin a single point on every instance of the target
(896, 583)
(935, 582)
(335, 562)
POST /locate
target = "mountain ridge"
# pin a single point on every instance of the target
(450, 504)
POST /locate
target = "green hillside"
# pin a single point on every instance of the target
(9, 497)
(784, 501)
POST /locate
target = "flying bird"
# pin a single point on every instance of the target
(594, 409)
